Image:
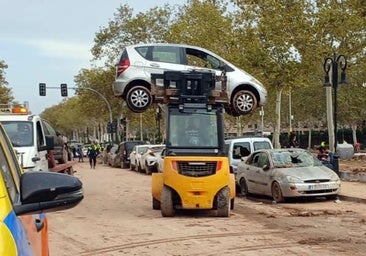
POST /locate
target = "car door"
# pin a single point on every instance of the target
(254, 172)
(199, 59)
(263, 175)
(28, 232)
(160, 58)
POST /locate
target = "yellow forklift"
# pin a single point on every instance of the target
(196, 173)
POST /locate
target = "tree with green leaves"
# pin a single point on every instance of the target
(5, 93)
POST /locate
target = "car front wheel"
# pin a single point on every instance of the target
(277, 193)
(138, 99)
(243, 187)
(244, 102)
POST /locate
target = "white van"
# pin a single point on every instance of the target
(237, 148)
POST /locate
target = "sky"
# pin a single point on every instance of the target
(49, 41)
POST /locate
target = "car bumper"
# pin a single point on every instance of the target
(118, 88)
(310, 189)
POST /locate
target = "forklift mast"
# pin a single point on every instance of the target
(194, 112)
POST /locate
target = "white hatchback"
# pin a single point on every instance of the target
(138, 62)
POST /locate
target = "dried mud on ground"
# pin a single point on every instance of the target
(355, 165)
(116, 218)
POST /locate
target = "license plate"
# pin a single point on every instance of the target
(318, 186)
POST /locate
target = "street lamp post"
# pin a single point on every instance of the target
(332, 64)
(261, 113)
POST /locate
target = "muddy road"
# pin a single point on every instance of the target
(116, 218)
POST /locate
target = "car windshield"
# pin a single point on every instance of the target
(142, 150)
(19, 132)
(156, 149)
(288, 159)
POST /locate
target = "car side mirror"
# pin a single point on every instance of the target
(43, 191)
(50, 143)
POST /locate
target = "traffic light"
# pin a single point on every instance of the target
(109, 128)
(114, 126)
(64, 90)
(42, 89)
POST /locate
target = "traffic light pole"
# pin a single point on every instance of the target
(42, 92)
(106, 101)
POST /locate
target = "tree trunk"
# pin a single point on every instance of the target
(354, 133)
(278, 119)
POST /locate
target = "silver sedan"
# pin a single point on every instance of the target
(286, 173)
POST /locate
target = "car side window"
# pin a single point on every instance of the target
(142, 50)
(261, 145)
(166, 54)
(202, 59)
(263, 159)
(40, 140)
(241, 149)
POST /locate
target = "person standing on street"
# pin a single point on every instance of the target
(93, 151)
(292, 141)
(80, 153)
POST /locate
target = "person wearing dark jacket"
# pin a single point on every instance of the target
(292, 141)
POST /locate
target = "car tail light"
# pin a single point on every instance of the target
(122, 66)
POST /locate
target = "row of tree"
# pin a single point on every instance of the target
(282, 43)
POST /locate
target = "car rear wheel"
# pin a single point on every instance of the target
(243, 187)
(138, 99)
(244, 102)
(223, 202)
(277, 193)
(166, 205)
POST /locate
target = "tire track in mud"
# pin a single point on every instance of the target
(120, 247)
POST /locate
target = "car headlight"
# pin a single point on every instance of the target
(334, 177)
(293, 179)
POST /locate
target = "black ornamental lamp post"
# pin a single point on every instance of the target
(332, 64)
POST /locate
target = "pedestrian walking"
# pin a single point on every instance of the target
(93, 151)
(80, 153)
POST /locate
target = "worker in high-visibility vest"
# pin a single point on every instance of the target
(93, 151)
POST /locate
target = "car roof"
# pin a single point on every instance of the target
(247, 139)
(178, 45)
(279, 150)
(166, 44)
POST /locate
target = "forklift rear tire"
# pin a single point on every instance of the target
(166, 204)
(155, 204)
(223, 202)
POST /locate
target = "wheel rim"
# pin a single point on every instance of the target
(245, 102)
(276, 192)
(139, 98)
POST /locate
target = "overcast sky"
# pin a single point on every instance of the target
(49, 41)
